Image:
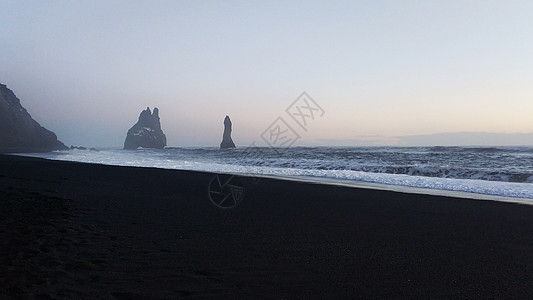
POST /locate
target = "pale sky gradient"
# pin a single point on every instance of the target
(379, 69)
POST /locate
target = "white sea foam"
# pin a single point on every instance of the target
(304, 163)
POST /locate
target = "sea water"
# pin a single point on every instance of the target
(497, 171)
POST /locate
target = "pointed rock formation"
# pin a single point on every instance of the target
(19, 132)
(146, 133)
(227, 142)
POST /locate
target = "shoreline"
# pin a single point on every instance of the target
(402, 188)
(407, 189)
(79, 230)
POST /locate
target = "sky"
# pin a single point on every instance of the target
(381, 72)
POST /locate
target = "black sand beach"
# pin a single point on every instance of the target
(71, 230)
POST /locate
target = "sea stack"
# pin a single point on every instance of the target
(227, 142)
(19, 132)
(146, 133)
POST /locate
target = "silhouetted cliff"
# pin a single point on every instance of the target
(19, 132)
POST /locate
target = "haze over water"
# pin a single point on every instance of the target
(381, 70)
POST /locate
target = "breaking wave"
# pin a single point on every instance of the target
(502, 171)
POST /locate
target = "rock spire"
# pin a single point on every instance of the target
(146, 133)
(227, 142)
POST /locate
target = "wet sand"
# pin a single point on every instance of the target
(72, 230)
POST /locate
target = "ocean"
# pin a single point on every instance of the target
(496, 171)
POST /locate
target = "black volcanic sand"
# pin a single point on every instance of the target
(72, 230)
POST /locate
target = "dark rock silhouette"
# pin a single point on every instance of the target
(146, 133)
(72, 147)
(227, 142)
(19, 132)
